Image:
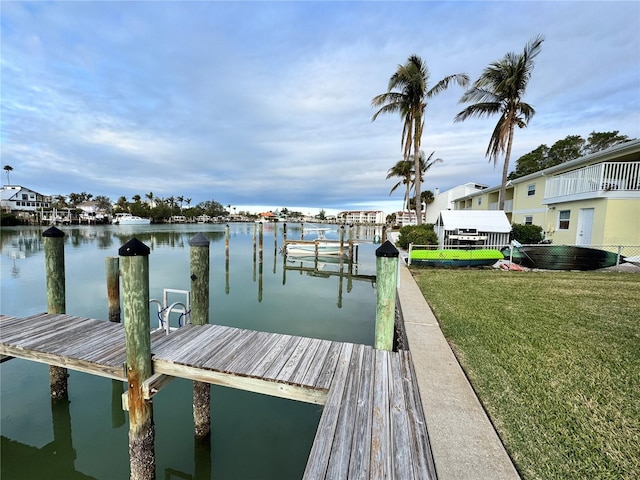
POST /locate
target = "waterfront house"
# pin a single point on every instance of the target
(23, 202)
(592, 200)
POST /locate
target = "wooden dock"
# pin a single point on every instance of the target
(372, 425)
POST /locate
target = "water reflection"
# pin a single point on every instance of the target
(55, 459)
(245, 293)
(327, 267)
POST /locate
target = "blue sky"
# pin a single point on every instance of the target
(267, 104)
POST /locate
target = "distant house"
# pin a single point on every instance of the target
(267, 217)
(376, 217)
(22, 201)
(447, 200)
(592, 200)
(472, 227)
(409, 217)
(92, 212)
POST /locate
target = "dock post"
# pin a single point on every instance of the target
(226, 239)
(56, 300)
(341, 242)
(284, 233)
(226, 261)
(386, 282)
(260, 238)
(199, 256)
(135, 289)
(112, 265)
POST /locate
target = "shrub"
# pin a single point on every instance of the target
(10, 220)
(418, 235)
(526, 234)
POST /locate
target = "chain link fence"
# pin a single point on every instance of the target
(537, 256)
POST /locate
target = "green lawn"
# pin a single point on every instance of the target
(555, 359)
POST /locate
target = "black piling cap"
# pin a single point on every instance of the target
(199, 240)
(387, 249)
(53, 232)
(134, 248)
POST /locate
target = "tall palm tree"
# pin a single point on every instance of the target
(8, 168)
(500, 90)
(407, 94)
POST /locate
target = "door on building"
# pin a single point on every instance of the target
(585, 226)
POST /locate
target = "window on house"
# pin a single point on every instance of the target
(563, 219)
(531, 190)
(528, 220)
(479, 200)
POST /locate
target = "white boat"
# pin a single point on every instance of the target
(128, 219)
(319, 246)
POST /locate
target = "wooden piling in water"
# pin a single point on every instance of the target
(199, 257)
(386, 282)
(135, 288)
(112, 265)
(56, 300)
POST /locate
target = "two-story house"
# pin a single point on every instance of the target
(592, 200)
(22, 201)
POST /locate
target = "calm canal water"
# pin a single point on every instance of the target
(253, 436)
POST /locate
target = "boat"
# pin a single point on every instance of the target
(128, 219)
(561, 257)
(455, 257)
(320, 246)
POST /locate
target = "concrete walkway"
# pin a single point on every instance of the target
(464, 443)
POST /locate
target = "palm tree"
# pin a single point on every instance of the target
(499, 90)
(8, 168)
(150, 197)
(404, 170)
(407, 94)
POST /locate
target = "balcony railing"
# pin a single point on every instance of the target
(595, 179)
(508, 205)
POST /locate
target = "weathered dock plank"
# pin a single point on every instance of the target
(372, 425)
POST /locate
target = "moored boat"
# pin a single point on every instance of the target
(454, 257)
(320, 246)
(128, 219)
(561, 257)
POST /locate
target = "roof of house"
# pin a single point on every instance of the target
(481, 220)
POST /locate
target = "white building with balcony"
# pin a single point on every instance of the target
(592, 200)
(367, 217)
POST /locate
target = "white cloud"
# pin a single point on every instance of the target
(270, 103)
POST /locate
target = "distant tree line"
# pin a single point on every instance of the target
(565, 150)
(156, 208)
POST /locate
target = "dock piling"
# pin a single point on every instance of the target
(386, 281)
(56, 300)
(199, 256)
(112, 265)
(135, 288)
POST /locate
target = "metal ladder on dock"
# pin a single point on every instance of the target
(181, 308)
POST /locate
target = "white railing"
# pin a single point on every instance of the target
(508, 205)
(603, 177)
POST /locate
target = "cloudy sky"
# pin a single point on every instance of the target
(269, 103)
